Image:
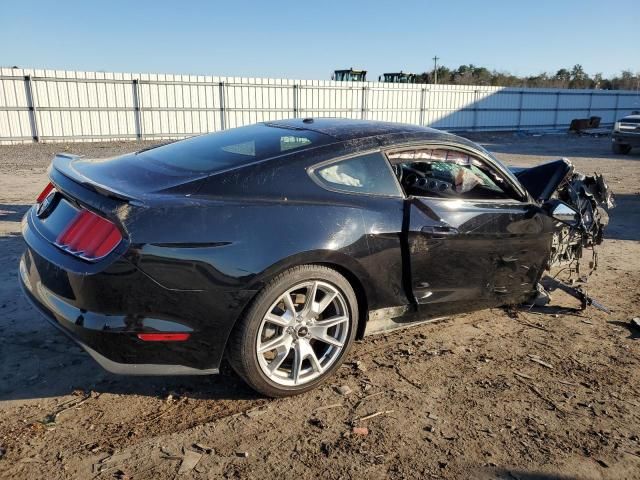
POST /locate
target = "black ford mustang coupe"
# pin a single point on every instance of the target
(278, 244)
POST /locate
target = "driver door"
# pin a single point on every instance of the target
(472, 242)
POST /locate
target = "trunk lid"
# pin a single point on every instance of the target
(127, 177)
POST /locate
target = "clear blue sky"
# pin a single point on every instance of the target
(308, 39)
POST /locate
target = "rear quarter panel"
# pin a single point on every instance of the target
(248, 225)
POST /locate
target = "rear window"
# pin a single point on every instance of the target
(232, 148)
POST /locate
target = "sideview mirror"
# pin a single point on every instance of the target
(562, 212)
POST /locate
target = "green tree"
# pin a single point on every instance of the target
(576, 77)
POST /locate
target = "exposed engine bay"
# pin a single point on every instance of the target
(590, 196)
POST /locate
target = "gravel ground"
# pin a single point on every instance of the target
(458, 399)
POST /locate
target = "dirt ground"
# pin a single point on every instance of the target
(458, 399)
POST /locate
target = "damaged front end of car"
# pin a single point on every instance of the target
(580, 204)
(556, 185)
(591, 198)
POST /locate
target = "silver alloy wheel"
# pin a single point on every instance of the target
(303, 333)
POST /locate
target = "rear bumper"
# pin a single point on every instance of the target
(104, 313)
(103, 361)
(632, 139)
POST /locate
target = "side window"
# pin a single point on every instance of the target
(368, 174)
(449, 173)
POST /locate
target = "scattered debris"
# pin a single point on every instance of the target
(531, 325)
(432, 416)
(203, 448)
(523, 375)
(50, 419)
(256, 412)
(366, 398)
(121, 475)
(406, 350)
(318, 423)
(449, 435)
(404, 377)
(575, 292)
(580, 124)
(189, 460)
(242, 454)
(327, 407)
(3, 452)
(344, 390)
(631, 453)
(535, 390)
(360, 366)
(168, 455)
(361, 431)
(110, 462)
(538, 360)
(162, 413)
(564, 382)
(376, 414)
(93, 447)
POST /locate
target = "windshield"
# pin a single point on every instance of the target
(236, 147)
(507, 171)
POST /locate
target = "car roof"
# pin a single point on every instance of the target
(344, 129)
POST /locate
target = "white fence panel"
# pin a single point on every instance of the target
(49, 106)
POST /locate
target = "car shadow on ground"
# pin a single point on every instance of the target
(515, 474)
(12, 213)
(51, 365)
(624, 219)
(634, 332)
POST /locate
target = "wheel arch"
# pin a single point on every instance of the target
(344, 264)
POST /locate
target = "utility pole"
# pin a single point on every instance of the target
(435, 69)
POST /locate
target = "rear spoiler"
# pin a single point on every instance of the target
(62, 163)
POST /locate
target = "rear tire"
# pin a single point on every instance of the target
(620, 148)
(296, 332)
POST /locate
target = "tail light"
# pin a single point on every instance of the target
(164, 337)
(89, 236)
(45, 192)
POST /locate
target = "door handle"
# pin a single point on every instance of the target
(440, 231)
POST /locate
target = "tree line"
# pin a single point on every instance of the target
(575, 77)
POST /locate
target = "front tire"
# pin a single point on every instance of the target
(620, 148)
(296, 332)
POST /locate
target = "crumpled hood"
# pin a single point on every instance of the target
(543, 180)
